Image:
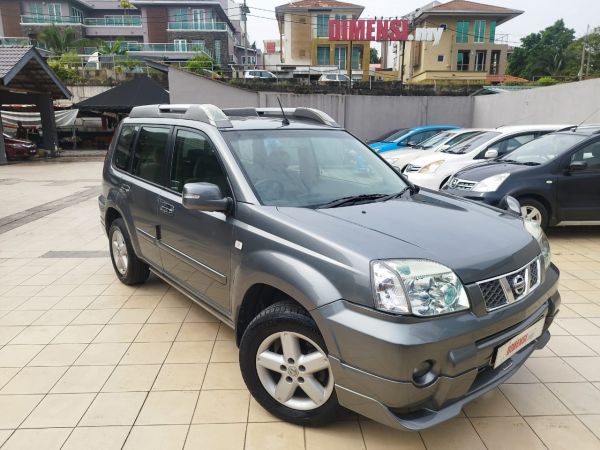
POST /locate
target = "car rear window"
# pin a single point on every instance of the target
(122, 154)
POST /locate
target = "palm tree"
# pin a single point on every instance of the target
(113, 48)
(60, 40)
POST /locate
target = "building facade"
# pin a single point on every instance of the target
(470, 47)
(305, 44)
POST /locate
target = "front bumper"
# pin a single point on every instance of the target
(490, 198)
(426, 180)
(373, 356)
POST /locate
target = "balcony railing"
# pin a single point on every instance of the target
(15, 42)
(113, 21)
(42, 19)
(167, 48)
(197, 26)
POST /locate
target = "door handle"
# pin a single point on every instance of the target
(125, 188)
(166, 208)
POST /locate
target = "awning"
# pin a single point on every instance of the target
(65, 118)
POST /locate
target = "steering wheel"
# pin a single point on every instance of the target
(270, 189)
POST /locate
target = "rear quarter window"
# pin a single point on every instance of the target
(123, 149)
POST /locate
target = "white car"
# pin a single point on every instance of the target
(400, 158)
(433, 170)
(259, 74)
(333, 78)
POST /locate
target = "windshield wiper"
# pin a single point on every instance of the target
(351, 200)
(522, 163)
(413, 189)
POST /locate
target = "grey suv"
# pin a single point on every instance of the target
(345, 284)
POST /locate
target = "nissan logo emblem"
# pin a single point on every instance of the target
(518, 284)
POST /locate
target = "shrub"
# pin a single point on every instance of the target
(546, 81)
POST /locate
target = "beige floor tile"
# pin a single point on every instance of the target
(46, 439)
(33, 380)
(168, 408)
(56, 290)
(164, 437)
(8, 333)
(570, 346)
(58, 355)
(456, 434)
(88, 289)
(491, 404)
(274, 436)
(345, 435)
(580, 398)
(59, 410)
(199, 314)
(564, 433)
(180, 377)
(158, 332)
(198, 331)
(222, 407)
(39, 303)
(77, 334)
(507, 433)
(119, 333)
(592, 422)
(579, 327)
(41, 334)
(553, 370)
(15, 408)
(381, 437)
(174, 300)
(132, 378)
(80, 379)
(592, 342)
(587, 309)
(543, 353)
(97, 438)
(114, 409)
(225, 333)
(14, 318)
(18, 355)
(142, 302)
(190, 352)
(223, 376)
(58, 317)
(589, 367)
(6, 373)
(131, 316)
(168, 315)
(94, 317)
(225, 351)
(146, 353)
(109, 302)
(74, 303)
(228, 436)
(102, 354)
(4, 435)
(533, 399)
(258, 414)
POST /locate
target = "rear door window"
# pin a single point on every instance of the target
(122, 155)
(149, 155)
(589, 155)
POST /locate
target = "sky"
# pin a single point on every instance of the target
(538, 14)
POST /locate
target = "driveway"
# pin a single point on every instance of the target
(88, 363)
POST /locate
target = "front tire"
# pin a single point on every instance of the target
(284, 363)
(532, 209)
(129, 268)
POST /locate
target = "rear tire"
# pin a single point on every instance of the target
(284, 363)
(535, 211)
(129, 268)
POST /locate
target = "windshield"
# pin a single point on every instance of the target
(310, 168)
(391, 137)
(435, 140)
(462, 137)
(472, 143)
(543, 149)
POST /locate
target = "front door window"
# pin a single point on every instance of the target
(462, 60)
(180, 45)
(340, 57)
(480, 60)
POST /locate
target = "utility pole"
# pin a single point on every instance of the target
(583, 48)
(245, 10)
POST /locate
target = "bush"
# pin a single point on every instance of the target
(202, 65)
(64, 72)
(546, 81)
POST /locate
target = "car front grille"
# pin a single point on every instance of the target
(412, 169)
(461, 185)
(510, 288)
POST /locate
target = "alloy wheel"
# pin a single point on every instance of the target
(531, 213)
(119, 251)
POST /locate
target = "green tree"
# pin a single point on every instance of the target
(544, 53)
(374, 58)
(114, 48)
(60, 40)
(202, 64)
(592, 48)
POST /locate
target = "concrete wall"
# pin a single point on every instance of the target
(84, 92)
(563, 104)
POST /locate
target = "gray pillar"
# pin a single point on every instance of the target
(50, 138)
(2, 151)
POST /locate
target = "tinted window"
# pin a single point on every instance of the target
(508, 145)
(471, 144)
(421, 137)
(195, 161)
(544, 149)
(396, 135)
(589, 155)
(122, 154)
(149, 153)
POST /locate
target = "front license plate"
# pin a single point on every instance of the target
(519, 342)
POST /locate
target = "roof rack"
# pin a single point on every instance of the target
(298, 113)
(203, 113)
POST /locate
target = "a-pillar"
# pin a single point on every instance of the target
(2, 149)
(50, 138)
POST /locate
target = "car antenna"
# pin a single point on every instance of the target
(585, 120)
(285, 119)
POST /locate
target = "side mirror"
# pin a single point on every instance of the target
(578, 166)
(491, 154)
(204, 197)
(510, 204)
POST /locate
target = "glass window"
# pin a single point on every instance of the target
(323, 25)
(492, 31)
(471, 144)
(479, 35)
(148, 158)
(417, 138)
(54, 11)
(462, 31)
(122, 154)
(323, 58)
(300, 168)
(77, 14)
(505, 146)
(198, 45)
(180, 45)
(340, 57)
(495, 62)
(590, 155)
(463, 58)
(357, 54)
(180, 15)
(545, 148)
(480, 60)
(218, 51)
(195, 161)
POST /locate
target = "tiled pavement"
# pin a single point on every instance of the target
(88, 363)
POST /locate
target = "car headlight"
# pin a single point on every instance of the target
(431, 167)
(391, 161)
(418, 287)
(538, 233)
(491, 184)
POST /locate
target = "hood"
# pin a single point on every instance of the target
(381, 147)
(432, 157)
(480, 171)
(477, 242)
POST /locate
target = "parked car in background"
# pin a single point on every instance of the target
(344, 284)
(556, 178)
(333, 78)
(432, 171)
(407, 137)
(18, 148)
(400, 158)
(260, 74)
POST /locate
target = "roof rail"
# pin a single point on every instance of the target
(298, 113)
(202, 113)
